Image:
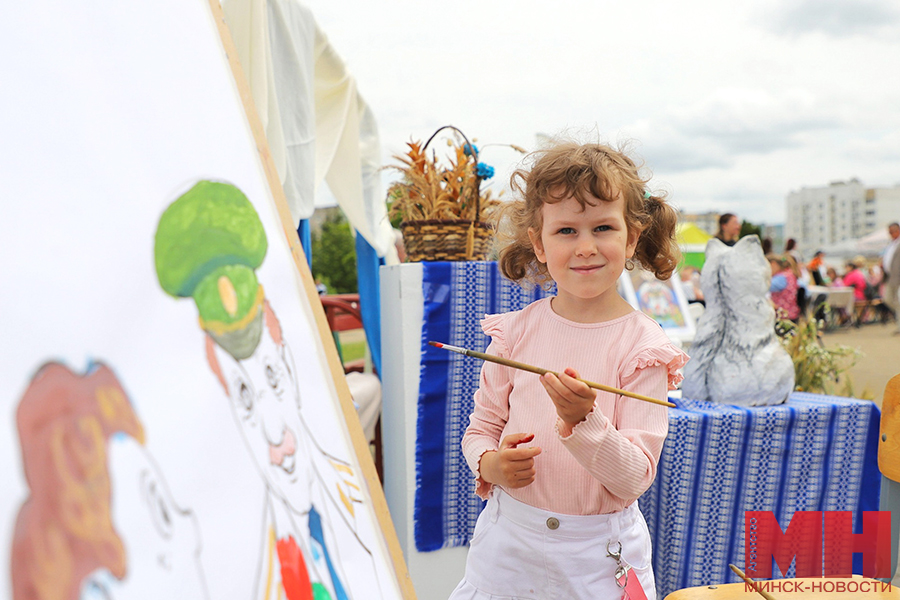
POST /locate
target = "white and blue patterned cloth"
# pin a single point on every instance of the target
(457, 295)
(812, 453)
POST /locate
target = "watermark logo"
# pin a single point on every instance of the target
(819, 586)
(821, 542)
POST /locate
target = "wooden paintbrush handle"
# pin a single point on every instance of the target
(532, 369)
(752, 584)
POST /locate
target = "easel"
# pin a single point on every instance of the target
(889, 463)
(360, 444)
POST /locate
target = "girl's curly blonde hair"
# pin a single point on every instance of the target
(585, 171)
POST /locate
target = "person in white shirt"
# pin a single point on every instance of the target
(890, 265)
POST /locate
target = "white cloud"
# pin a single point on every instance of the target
(754, 120)
(838, 18)
(731, 110)
(879, 148)
(716, 130)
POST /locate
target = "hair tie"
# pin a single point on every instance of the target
(646, 195)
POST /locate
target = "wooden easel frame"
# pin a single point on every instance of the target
(360, 446)
(889, 463)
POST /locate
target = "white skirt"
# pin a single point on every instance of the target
(519, 552)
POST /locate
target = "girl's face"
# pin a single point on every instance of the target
(585, 252)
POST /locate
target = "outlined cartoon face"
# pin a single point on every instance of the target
(161, 540)
(265, 402)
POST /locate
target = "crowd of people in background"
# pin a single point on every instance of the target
(875, 282)
(792, 278)
(890, 263)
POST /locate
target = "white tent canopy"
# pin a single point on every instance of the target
(874, 243)
(318, 126)
(870, 246)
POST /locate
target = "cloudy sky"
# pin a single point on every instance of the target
(731, 105)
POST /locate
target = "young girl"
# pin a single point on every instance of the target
(562, 519)
(783, 288)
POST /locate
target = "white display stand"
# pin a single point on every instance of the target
(434, 574)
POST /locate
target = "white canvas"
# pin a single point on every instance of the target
(110, 112)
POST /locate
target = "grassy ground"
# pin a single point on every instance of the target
(353, 344)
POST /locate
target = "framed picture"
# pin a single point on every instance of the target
(662, 300)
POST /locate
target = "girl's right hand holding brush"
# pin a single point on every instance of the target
(510, 466)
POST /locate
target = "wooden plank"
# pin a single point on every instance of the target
(889, 435)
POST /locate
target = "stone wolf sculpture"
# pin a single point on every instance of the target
(736, 357)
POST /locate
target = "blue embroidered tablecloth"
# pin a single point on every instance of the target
(812, 453)
(457, 295)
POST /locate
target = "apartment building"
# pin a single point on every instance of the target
(844, 210)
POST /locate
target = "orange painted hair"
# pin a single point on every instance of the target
(64, 529)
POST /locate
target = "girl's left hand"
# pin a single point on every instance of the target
(573, 399)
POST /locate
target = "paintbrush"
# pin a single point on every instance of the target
(753, 585)
(540, 371)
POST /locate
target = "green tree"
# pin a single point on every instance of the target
(396, 218)
(748, 228)
(334, 256)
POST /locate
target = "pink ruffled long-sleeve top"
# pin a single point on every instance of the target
(607, 460)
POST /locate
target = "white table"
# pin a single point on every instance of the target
(837, 297)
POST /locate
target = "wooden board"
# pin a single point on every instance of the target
(889, 435)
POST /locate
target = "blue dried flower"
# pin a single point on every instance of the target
(484, 171)
(468, 149)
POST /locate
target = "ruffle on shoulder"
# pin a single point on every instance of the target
(667, 354)
(492, 325)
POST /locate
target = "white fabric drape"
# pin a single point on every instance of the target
(293, 34)
(318, 126)
(248, 24)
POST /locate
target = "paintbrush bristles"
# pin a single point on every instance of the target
(450, 348)
(540, 371)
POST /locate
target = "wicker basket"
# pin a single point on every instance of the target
(449, 240)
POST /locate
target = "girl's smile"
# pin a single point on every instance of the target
(585, 251)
